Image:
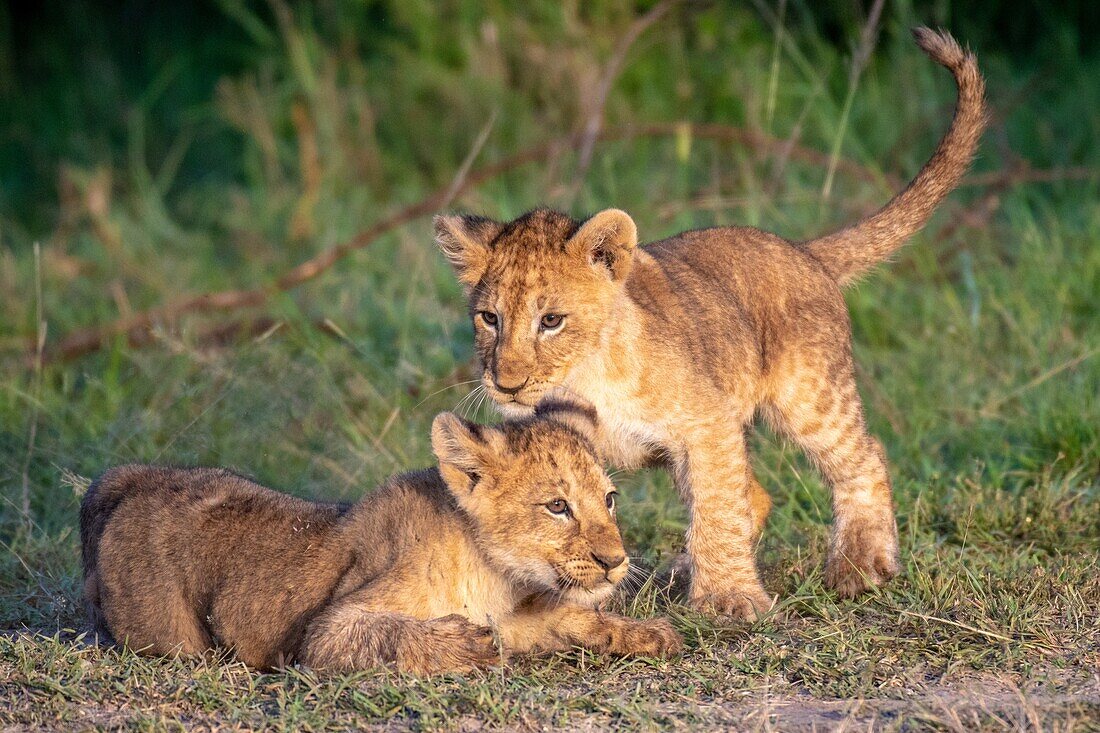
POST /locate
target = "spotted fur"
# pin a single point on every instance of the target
(681, 342)
(418, 575)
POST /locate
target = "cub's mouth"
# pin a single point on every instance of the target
(568, 582)
(514, 409)
(519, 404)
(593, 586)
(582, 596)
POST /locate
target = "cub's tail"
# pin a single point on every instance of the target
(850, 252)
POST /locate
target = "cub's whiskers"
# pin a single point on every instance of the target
(468, 400)
(449, 386)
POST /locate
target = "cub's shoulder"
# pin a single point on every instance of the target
(415, 497)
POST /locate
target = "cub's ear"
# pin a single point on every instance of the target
(607, 240)
(569, 408)
(464, 240)
(466, 452)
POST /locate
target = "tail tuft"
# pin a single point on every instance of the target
(941, 47)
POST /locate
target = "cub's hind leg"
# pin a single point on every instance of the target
(350, 636)
(134, 595)
(157, 625)
(818, 406)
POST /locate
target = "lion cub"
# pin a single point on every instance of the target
(514, 532)
(680, 343)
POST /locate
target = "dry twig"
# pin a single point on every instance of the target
(136, 328)
(591, 130)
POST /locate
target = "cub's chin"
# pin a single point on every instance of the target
(588, 597)
(512, 410)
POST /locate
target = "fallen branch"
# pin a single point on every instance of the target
(979, 214)
(1016, 175)
(751, 138)
(135, 328)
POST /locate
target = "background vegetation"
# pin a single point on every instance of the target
(151, 151)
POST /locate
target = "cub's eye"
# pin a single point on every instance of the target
(551, 321)
(611, 500)
(558, 506)
(489, 317)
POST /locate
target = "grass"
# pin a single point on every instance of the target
(978, 353)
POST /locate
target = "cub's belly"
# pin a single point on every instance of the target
(629, 435)
(631, 446)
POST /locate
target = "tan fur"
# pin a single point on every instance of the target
(681, 342)
(417, 575)
(850, 252)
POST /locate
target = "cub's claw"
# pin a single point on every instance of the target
(863, 556)
(450, 644)
(741, 605)
(664, 641)
(649, 638)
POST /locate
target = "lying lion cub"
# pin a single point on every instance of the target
(514, 532)
(680, 343)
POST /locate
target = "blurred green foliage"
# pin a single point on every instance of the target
(158, 149)
(79, 80)
(153, 150)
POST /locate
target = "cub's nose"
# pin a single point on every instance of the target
(509, 390)
(608, 562)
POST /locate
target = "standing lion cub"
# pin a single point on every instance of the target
(680, 343)
(515, 532)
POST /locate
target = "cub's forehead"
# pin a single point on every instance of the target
(542, 280)
(519, 275)
(541, 435)
(538, 230)
(529, 255)
(546, 442)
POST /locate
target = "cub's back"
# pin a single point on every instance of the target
(742, 264)
(158, 542)
(736, 295)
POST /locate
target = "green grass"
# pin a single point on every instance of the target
(977, 348)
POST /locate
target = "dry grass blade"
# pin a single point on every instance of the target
(464, 169)
(591, 130)
(948, 622)
(39, 346)
(136, 328)
(862, 55)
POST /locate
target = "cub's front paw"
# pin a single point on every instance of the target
(863, 555)
(650, 638)
(449, 644)
(747, 605)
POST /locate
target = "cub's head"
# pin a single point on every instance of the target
(541, 292)
(541, 506)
